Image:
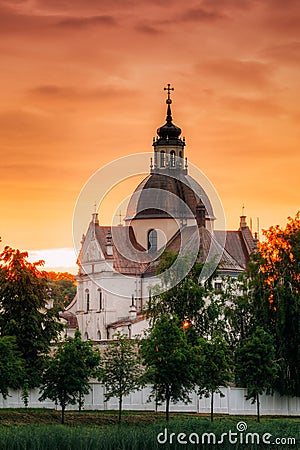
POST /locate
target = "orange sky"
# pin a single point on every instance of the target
(81, 84)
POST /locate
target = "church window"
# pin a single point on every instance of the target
(87, 299)
(180, 154)
(100, 300)
(152, 241)
(172, 158)
(162, 158)
(218, 286)
(99, 335)
(86, 336)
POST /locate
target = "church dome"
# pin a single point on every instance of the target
(162, 196)
(169, 130)
(169, 191)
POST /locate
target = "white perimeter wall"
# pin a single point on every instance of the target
(233, 402)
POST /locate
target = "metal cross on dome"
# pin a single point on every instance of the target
(169, 89)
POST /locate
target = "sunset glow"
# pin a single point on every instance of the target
(82, 84)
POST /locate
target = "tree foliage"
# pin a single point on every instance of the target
(24, 313)
(62, 287)
(238, 309)
(66, 378)
(11, 365)
(192, 302)
(256, 368)
(214, 367)
(121, 370)
(170, 361)
(274, 286)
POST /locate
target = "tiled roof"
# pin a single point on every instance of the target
(70, 318)
(101, 234)
(239, 244)
(125, 321)
(130, 258)
(171, 194)
(248, 239)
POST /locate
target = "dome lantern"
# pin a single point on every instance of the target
(168, 146)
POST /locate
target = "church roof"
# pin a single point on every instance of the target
(212, 243)
(164, 195)
(130, 258)
(125, 321)
(101, 235)
(70, 318)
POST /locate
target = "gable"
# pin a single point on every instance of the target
(91, 250)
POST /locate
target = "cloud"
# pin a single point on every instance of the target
(66, 257)
(287, 53)
(249, 73)
(200, 15)
(19, 127)
(148, 29)
(86, 5)
(252, 106)
(75, 94)
(222, 5)
(17, 22)
(84, 22)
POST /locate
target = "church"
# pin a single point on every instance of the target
(168, 211)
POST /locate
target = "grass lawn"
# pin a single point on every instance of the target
(34, 429)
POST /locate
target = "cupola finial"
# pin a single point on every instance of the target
(168, 102)
(169, 89)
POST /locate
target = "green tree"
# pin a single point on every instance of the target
(170, 361)
(256, 368)
(66, 378)
(11, 365)
(24, 312)
(274, 290)
(238, 309)
(25, 393)
(62, 287)
(193, 303)
(214, 367)
(121, 370)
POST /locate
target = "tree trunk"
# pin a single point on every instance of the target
(212, 407)
(79, 402)
(120, 410)
(63, 414)
(167, 406)
(258, 414)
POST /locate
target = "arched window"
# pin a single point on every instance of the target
(162, 158)
(99, 335)
(87, 299)
(100, 299)
(172, 161)
(152, 241)
(86, 336)
(180, 154)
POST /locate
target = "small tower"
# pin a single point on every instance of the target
(109, 249)
(132, 309)
(243, 222)
(168, 146)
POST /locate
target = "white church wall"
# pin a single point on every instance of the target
(166, 228)
(233, 402)
(139, 328)
(93, 320)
